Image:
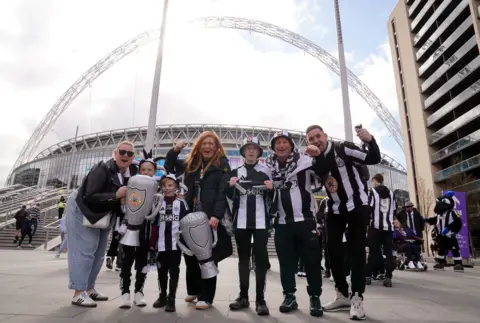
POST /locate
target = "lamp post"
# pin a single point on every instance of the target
(152, 119)
(347, 117)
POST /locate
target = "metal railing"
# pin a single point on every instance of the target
(46, 199)
(53, 225)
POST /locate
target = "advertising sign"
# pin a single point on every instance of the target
(460, 199)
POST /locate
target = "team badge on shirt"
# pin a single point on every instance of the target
(331, 184)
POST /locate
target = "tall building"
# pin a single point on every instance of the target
(435, 49)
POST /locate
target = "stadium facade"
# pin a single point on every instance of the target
(68, 162)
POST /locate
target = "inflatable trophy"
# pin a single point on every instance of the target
(142, 203)
(197, 234)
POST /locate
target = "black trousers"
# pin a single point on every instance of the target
(301, 263)
(113, 249)
(324, 248)
(243, 238)
(293, 240)
(336, 224)
(24, 234)
(204, 288)
(60, 212)
(376, 240)
(444, 245)
(131, 255)
(412, 251)
(169, 265)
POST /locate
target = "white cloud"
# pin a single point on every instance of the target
(217, 76)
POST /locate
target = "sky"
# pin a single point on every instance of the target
(209, 75)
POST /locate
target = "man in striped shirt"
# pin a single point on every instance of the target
(380, 231)
(35, 214)
(341, 165)
(295, 224)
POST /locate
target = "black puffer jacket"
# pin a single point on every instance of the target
(212, 195)
(96, 196)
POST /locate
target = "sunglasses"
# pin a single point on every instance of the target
(123, 152)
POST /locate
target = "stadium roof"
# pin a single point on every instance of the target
(167, 135)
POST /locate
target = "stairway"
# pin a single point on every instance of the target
(48, 215)
(270, 247)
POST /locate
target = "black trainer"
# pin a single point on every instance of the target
(289, 303)
(439, 266)
(316, 309)
(239, 303)
(161, 301)
(261, 308)
(368, 280)
(109, 263)
(458, 267)
(170, 306)
(327, 273)
(387, 282)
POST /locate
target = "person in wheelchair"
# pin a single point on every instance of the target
(406, 241)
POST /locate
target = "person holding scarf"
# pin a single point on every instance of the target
(296, 233)
(206, 172)
(251, 222)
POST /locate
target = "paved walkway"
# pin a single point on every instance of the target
(33, 290)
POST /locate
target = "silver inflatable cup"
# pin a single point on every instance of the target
(139, 201)
(200, 241)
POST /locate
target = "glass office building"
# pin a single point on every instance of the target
(68, 162)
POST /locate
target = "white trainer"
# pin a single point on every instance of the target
(201, 305)
(97, 296)
(139, 300)
(190, 298)
(357, 313)
(125, 301)
(411, 265)
(419, 265)
(331, 278)
(340, 303)
(83, 300)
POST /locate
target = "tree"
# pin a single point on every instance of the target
(426, 198)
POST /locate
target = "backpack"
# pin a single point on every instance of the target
(361, 168)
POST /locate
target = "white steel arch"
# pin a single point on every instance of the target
(209, 22)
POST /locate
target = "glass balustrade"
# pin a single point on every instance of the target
(459, 168)
(461, 144)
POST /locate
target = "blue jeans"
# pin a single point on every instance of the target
(86, 248)
(63, 245)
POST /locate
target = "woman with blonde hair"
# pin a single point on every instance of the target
(90, 214)
(206, 171)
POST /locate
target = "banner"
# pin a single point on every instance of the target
(463, 237)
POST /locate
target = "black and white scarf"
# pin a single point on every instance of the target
(296, 162)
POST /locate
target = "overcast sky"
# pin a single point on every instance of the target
(209, 76)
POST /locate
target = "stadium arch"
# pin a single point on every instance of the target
(208, 22)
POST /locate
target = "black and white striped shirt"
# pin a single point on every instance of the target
(250, 208)
(343, 182)
(382, 202)
(167, 223)
(294, 197)
(35, 212)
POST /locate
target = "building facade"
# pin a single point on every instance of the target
(67, 163)
(435, 53)
(435, 50)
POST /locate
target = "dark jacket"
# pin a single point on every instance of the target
(212, 195)
(27, 226)
(400, 239)
(96, 196)
(21, 215)
(417, 219)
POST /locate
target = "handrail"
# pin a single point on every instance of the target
(48, 227)
(11, 221)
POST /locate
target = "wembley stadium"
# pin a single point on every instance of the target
(68, 162)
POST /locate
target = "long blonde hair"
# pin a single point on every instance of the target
(194, 159)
